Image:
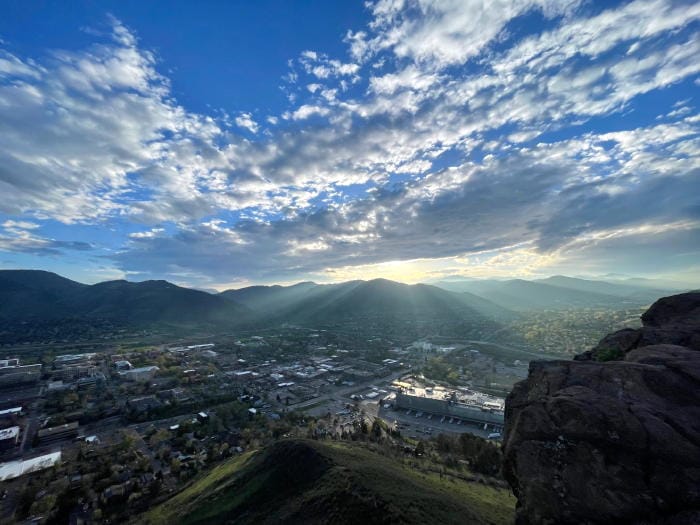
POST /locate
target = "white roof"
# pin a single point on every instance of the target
(15, 410)
(14, 469)
(9, 433)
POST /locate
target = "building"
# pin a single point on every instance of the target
(10, 414)
(58, 433)
(74, 359)
(15, 469)
(122, 365)
(448, 404)
(9, 438)
(73, 372)
(145, 373)
(12, 373)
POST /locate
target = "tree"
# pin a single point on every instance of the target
(376, 429)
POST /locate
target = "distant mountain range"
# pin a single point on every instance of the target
(467, 307)
(557, 293)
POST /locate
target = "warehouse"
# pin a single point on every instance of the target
(449, 404)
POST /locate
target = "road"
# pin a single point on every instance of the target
(346, 391)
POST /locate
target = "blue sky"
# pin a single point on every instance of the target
(218, 144)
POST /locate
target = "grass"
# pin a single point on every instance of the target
(203, 485)
(299, 481)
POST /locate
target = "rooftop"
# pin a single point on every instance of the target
(9, 433)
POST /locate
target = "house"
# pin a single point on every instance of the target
(122, 365)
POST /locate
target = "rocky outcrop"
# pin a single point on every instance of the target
(670, 320)
(613, 437)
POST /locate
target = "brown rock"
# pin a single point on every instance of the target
(590, 442)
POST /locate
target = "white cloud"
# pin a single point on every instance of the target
(451, 146)
(245, 121)
(308, 110)
(148, 234)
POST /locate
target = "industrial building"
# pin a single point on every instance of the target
(14, 469)
(474, 408)
(12, 373)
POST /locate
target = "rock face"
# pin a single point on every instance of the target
(613, 437)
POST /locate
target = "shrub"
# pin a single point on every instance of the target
(609, 354)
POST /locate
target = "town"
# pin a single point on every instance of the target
(167, 410)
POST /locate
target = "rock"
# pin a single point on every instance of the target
(670, 320)
(592, 442)
(677, 310)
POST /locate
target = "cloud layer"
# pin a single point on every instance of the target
(470, 134)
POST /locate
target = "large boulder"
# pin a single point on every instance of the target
(616, 440)
(670, 320)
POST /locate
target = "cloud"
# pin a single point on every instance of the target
(307, 110)
(488, 132)
(245, 121)
(18, 237)
(549, 198)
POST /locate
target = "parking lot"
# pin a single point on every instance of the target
(412, 423)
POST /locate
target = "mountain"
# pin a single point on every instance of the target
(29, 295)
(521, 295)
(313, 482)
(309, 303)
(34, 294)
(270, 298)
(51, 307)
(645, 282)
(626, 290)
(555, 293)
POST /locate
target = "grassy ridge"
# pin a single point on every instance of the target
(299, 481)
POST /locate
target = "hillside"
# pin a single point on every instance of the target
(270, 298)
(38, 296)
(378, 298)
(310, 482)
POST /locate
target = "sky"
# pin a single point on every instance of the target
(221, 144)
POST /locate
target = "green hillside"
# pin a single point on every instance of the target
(309, 482)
